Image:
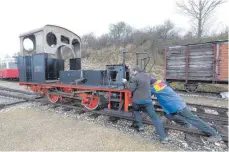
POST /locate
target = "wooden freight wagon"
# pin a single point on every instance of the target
(197, 63)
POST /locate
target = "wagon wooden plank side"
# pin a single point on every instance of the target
(197, 63)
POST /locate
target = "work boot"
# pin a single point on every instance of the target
(165, 140)
(134, 125)
(140, 129)
(215, 138)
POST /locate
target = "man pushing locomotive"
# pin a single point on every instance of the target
(142, 86)
(175, 109)
(139, 85)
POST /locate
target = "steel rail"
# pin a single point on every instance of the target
(15, 90)
(11, 104)
(219, 119)
(127, 116)
(14, 96)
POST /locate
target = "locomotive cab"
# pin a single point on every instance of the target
(45, 51)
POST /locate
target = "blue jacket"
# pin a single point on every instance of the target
(169, 100)
(143, 101)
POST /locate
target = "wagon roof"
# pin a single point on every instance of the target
(217, 41)
(42, 28)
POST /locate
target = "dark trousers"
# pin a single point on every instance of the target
(152, 114)
(185, 117)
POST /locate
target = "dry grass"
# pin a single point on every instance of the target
(100, 58)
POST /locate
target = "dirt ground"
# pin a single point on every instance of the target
(33, 129)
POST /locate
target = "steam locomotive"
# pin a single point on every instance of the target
(41, 69)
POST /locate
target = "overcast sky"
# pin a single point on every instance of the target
(85, 16)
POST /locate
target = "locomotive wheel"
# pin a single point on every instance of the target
(191, 87)
(89, 103)
(53, 98)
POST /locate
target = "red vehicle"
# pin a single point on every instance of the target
(8, 69)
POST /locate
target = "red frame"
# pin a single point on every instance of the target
(36, 87)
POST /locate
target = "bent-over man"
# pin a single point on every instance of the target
(176, 109)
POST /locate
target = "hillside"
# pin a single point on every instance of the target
(100, 58)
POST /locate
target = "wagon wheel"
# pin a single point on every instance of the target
(191, 87)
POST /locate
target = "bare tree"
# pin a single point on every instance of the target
(166, 31)
(104, 41)
(200, 11)
(120, 32)
(89, 40)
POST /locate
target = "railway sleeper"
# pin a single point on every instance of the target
(2, 106)
(200, 110)
(15, 90)
(14, 96)
(208, 107)
(94, 115)
(222, 113)
(193, 139)
(213, 118)
(205, 116)
(113, 119)
(66, 109)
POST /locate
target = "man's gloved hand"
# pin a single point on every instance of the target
(124, 80)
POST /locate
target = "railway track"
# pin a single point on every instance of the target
(23, 96)
(219, 120)
(9, 80)
(128, 116)
(18, 94)
(215, 95)
(15, 90)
